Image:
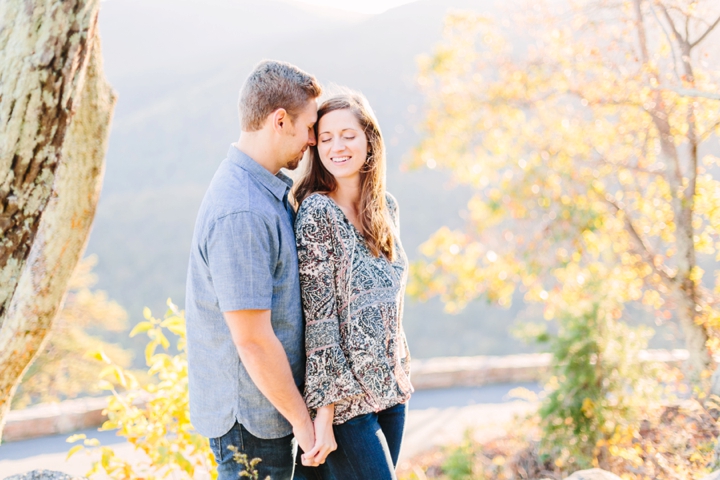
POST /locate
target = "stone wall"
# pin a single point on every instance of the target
(443, 372)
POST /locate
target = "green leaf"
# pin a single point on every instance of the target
(184, 463)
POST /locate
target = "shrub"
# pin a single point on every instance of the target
(154, 416)
(458, 464)
(599, 388)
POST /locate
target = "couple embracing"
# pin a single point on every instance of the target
(296, 353)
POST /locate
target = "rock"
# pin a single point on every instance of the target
(713, 476)
(44, 475)
(593, 474)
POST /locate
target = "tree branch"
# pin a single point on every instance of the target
(642, 37)
(644, 249)
(709, 131)
(707, 32)
(670, 42)
(669, 19)
(689, 92)
(604, 161)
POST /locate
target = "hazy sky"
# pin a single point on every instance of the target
(364, 6)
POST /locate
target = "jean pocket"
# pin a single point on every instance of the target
(360, 419)
(216, 447)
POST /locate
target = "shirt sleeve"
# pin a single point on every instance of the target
(239, 254)
(328, 377)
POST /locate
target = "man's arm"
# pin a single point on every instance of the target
(266, 362)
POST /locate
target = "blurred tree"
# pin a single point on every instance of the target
(55, 111)
(588, 152)
(62, 369)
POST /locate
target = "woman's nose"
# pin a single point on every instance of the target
(338, 145)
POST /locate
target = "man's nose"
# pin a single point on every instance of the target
(312, 141)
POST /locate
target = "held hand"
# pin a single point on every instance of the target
(324, 437)
(305, 436)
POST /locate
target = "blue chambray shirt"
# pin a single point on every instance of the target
(243, 256)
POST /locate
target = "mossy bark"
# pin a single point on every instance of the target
(55, 112)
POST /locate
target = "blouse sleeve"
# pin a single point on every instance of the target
(394, 211)
(328, 377)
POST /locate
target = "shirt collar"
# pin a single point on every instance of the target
(278, 184)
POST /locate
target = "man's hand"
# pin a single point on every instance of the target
(324, 437)
(305, 436)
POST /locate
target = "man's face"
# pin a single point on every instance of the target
(300, 136)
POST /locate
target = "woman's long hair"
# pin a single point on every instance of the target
(373, 216)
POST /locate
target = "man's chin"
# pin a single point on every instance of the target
(293, 164)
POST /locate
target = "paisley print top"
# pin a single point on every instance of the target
(357, 355)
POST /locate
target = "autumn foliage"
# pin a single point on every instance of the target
(592, 153)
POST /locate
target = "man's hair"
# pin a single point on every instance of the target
(273, 85)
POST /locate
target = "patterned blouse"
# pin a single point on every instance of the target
(357, 355)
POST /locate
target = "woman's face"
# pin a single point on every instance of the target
(342, 144)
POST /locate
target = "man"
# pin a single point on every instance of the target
(244, 316)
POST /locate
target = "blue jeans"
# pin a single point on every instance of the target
(368, 448)
(276, 454)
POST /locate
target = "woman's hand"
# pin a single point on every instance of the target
(324, 437)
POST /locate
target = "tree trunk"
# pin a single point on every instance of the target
(682, 285)
(55, 112)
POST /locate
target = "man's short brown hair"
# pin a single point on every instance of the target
(273, 85)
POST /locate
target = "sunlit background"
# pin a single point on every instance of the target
(178, 65)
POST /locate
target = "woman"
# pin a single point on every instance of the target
(353, 272)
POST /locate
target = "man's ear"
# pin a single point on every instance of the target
(280, 119)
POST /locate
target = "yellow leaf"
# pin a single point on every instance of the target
(141, 327)
(163, 341)
(105, 385)
(75, 438)
(109, 370)
(178, 330)
(98, 355)
(146, 313)
(120, 375)
(150, 350)
(91, 442)
(74, 450)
